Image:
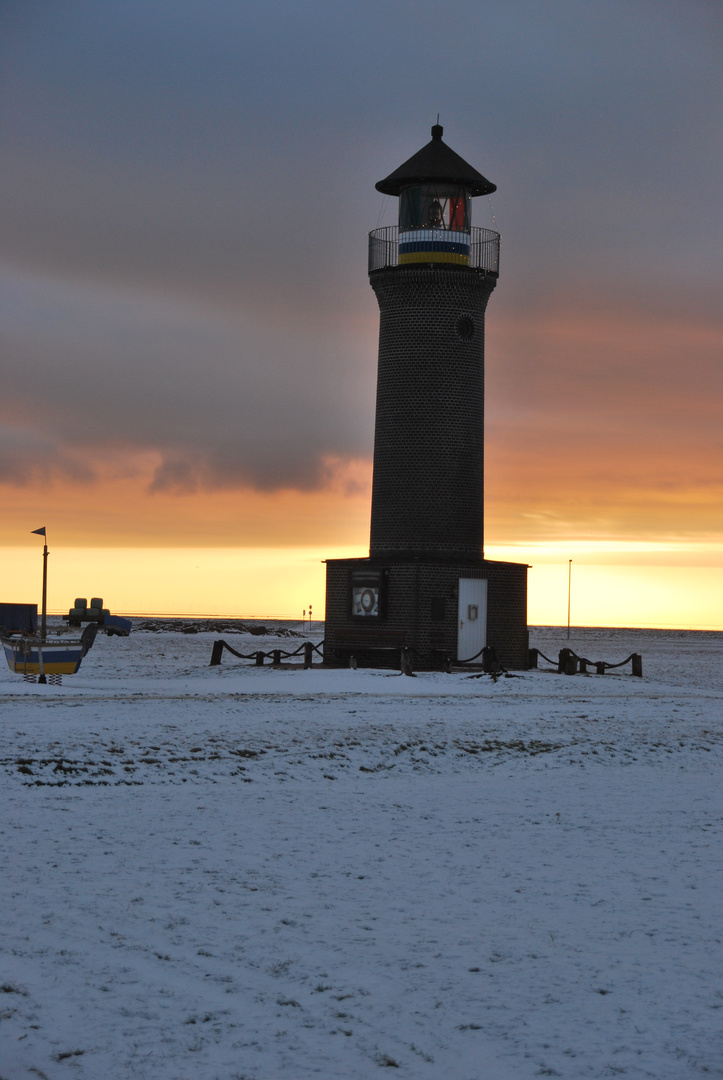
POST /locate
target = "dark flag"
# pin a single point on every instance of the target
(39, 532)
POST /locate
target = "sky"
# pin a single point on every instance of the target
(187, 334)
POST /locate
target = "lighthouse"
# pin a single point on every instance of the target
(426, 586)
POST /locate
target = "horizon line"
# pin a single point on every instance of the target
(298, 618)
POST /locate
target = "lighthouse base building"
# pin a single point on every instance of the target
(426, 586)
(443, 612)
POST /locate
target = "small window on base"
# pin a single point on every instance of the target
(367, 595)
(437, 609)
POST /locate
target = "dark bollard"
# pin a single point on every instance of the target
(583, 666)
(600, 667)
(216, 653)
(570, 663)
(490, 662)
(276, 658)
(259, 659)
(532, 655)
(308, 650)
(406, 662)
(637, 665)
(566, 662)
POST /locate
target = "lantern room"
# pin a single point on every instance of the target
(435, 188)
(434, 206)
(434, 224)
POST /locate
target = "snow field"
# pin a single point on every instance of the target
(246, 873)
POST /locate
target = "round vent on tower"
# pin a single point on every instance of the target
(465, 327)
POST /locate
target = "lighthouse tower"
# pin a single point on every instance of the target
(426, 585)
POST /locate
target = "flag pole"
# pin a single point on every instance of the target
(44, 616)
(569, 590)
(43, 623)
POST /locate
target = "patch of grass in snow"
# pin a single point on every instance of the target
(196, 1020)
(532, 747)
(386, 1061)
(280, 968)
(421, 1053)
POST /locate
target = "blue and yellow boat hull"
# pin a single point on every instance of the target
(30, 655)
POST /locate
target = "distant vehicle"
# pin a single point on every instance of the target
(82, 612)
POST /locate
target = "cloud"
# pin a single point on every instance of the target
(29, 457)
(226, 401)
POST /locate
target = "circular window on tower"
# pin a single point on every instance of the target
(465, 328)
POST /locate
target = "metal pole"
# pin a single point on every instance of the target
(569, 590)
(45, 592)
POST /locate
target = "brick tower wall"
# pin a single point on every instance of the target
(428, 487)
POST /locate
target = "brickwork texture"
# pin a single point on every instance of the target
(428, 486)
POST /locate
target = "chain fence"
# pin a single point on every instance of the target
(407, 658)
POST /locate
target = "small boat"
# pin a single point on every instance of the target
(29, 654)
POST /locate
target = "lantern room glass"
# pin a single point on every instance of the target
(435, 206)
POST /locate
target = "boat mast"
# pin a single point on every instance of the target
(44, 617)
(45, 592)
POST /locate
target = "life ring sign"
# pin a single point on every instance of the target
(365, 600)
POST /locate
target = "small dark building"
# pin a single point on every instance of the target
(426, 585)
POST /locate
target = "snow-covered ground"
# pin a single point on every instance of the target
(240, 872)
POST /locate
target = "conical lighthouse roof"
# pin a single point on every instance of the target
(436, 163)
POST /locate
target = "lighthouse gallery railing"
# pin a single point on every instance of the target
(484, 250)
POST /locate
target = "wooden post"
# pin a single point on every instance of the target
(562, 661)
(600, 667)
(490, 663)
(570, 663)
(216, 653)
(276, 658)
(583, 666)
(637, 662)
(406, 662)
(259, 659)
(532, 656)
(308, 650)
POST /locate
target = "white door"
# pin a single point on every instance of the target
(471, 617)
